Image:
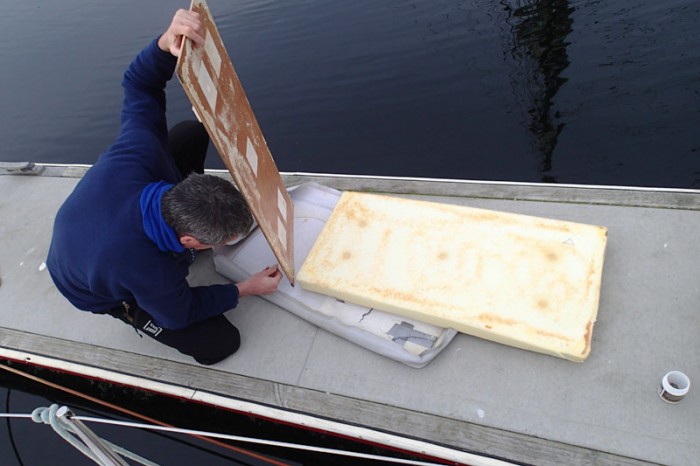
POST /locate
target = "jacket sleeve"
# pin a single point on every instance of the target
(144, 89)
(181, 305)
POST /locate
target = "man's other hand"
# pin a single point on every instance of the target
(264, 282)
(185, 24)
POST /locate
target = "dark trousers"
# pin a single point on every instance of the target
(188, 142)
(208, 341)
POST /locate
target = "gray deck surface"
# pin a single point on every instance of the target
(476, 395)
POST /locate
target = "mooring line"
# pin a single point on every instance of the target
(139, 415)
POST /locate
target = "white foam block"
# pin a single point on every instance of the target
(529, 282)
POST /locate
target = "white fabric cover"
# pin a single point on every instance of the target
(401, 339)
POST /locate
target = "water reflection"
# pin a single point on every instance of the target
(538, 31)
(397, 87)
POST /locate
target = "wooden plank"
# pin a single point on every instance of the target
(440, 430)
(676, 199)
(682, 199)
(212, 85)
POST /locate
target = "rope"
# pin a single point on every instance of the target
(65, 430)
(134, 414)
(48, 416)
(206, 436)
(128, 454)
(69, 432)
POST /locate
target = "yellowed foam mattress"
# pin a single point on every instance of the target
(528, 282)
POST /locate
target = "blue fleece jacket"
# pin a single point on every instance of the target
(100, 254)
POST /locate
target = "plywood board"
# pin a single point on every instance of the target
(529, 282)
(212, 85)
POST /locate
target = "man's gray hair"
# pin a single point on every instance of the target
(208, 208)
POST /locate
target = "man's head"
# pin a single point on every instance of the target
(205, 210)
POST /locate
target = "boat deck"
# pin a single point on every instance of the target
(476, 396)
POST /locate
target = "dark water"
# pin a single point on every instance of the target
(600, 92)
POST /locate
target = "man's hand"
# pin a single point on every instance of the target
(263, 282)
(185, 24)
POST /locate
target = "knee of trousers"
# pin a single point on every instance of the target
(223, 345)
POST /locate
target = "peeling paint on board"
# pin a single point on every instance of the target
(216, 94)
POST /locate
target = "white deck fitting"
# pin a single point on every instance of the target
(476, 395)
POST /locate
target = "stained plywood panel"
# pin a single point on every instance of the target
(528, 282)
(212, 85)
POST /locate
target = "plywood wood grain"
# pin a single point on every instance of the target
(212, 85)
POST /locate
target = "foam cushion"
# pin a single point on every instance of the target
(402, 339)
(524, 281)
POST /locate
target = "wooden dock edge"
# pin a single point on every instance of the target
(215, 387)
(629, 196)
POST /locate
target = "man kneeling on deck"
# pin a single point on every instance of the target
(124, 239)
